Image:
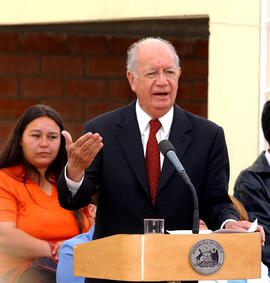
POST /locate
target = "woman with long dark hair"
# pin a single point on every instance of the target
(32, 223)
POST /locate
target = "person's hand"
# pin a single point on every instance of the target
(81, 153)
(244, 226)
(55, 249)
(92, 210)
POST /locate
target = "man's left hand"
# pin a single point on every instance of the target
(244, 226)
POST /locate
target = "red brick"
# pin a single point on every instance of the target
(196, 108)
(42, 42)
(14, 108)
(8, 87)
(9, 42)
(1, 147)
(19, 65)
(120, 89)
(184, 47)
(74, 128)
(184, 91)
(83, 44)
(120, 45)
(68, 110)
(5, 130)
(40, 87)
(194, 69)
(201, 48)
(62, 65)
(200, 91)
(106, 67)
(93, 109)
(86, 88)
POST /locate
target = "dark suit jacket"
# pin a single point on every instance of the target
(252, 188)
(120, 173)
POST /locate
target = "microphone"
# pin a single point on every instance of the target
(168, 150)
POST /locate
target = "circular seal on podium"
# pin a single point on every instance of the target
(207, 256)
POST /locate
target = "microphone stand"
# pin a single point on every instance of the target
(195, 226)
(168, 150)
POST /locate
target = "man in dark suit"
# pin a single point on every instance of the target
(111, 156)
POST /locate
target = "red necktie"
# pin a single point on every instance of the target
(152, 159)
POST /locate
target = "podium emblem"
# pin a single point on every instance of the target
(207, 256)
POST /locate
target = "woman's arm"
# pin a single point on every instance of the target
(18, 243)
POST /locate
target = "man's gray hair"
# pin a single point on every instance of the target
(132, 52)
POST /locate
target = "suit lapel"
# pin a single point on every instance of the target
(130, 141)
(129, 138)
(180, 138)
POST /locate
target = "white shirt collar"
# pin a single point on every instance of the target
(144, 119)
(267, 156)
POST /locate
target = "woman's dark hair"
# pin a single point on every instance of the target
(266, 121)
(12, 154)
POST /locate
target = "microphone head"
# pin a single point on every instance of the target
(165, 146)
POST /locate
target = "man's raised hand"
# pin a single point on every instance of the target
(81, 153)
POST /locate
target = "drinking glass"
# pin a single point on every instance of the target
(153, 225)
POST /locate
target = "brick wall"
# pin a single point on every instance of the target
(80, 69)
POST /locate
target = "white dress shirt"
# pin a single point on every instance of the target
(144, 126)
(267, 156)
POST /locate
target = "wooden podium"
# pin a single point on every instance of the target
(165, 257)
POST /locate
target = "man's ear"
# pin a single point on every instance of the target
(131, 80)
(179, 72)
